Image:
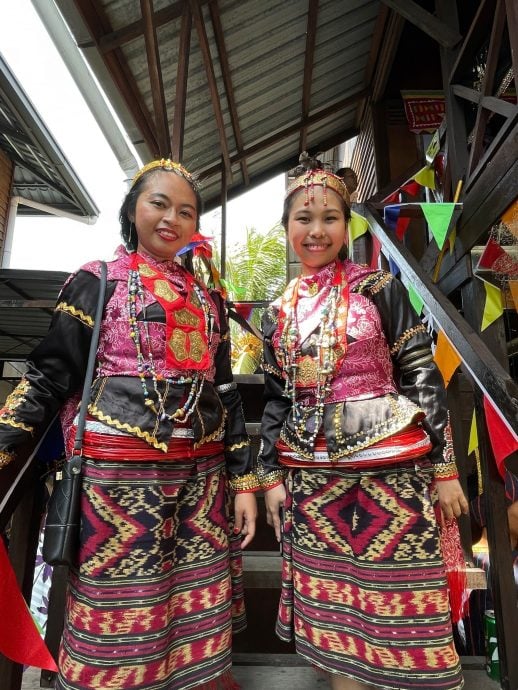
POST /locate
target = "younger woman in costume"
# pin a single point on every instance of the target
(157, 584)
(355, 452)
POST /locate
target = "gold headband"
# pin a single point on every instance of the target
(312, 178)
(166, 164)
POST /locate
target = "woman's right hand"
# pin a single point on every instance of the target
(274, 499)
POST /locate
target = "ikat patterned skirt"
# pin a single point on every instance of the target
(364, 586)
(158, 587)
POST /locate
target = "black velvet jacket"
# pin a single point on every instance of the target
(56, 370)
(352, 425)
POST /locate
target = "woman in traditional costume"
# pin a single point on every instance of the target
(157, 588)
(355, 455)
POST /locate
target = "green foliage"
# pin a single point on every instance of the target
(255, 270)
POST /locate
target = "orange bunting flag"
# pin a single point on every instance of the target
(446, 357)
(503, 440)
(20, 639)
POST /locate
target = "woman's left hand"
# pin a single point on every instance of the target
(245, 508)
(451, 498)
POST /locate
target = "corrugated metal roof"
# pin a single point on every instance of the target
(27, 301)
(42, 174)
(264, 44)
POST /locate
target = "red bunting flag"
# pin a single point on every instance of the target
(503, 440)
(491, 253)
(20, 639)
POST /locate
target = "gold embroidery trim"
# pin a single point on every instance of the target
(271, 479)
(124, 426)
(246, 482)
(374, 282)
(76, 313)
(236, 446)
(215, 434)
(407, 335)
(269, 369)
(16, 425)
(5, 458)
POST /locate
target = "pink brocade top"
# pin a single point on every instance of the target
(116, 352)
(367, 371)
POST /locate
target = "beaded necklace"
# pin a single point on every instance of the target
(331, 346)
(146, 369)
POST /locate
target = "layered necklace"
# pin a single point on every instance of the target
(331, 347)
(189, 331)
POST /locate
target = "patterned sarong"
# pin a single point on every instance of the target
(158, 588)
(364, 588)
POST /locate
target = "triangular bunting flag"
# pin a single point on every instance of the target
(358, 226)
(503, 440)
(494, 307)
(415, 299)
(20, 639)
(492, 252)
(446, 357)
(438, 216)
(451, 240)
(393, 267)
(376, 249)
(425, 177)
(401, 227)
(412, 188)
(473, 435)
(391, 215)
(513, 288)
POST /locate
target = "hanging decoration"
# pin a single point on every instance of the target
(503, 440)
(415, 300)
(441, 217)
(493, 307)
(20, 639)
(424, 110)
(446, 357)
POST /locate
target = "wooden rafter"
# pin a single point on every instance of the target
(180, 99)
(309, 59)
(211, 79)
(155, 78)
(512, 27)
(433, 27)
(114, 60)
(227, 81)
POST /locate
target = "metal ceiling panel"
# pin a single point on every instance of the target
(264, 44)
(27, 301)
(42, 174)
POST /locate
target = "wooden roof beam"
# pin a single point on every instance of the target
(427, 22)
(227, 81)
(512, 29)
(155, 78)
(309, 59)
(182, 72)
(116, 65)
(211, 79)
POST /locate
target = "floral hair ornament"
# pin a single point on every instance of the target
(321, 178)
(166, 164)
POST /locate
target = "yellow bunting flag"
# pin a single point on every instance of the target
(494, 307)
(473, 435)
(358, 226)
(513, 287)
(425, 177)
(446, 357)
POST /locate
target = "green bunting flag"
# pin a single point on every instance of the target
(358, 226)
(415, 299)
(438, 216)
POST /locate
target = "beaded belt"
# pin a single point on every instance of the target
(406, 445)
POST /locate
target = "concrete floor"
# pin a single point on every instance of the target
(295, 677)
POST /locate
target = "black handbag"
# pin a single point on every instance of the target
(63, 524)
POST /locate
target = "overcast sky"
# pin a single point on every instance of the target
(61, 244)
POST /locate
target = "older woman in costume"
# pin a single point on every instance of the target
(157, 584)
(355, 452)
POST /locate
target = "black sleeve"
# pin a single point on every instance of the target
(238, 451)
(415, 372)
(277, 405)
(56, 367)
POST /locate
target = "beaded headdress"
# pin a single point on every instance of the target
(167, 164)
(313, 178)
